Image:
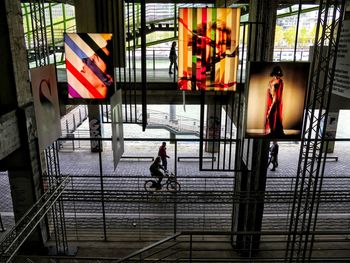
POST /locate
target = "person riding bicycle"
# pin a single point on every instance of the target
(155, 170)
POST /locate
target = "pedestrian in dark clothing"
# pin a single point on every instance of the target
(172, 57)
(155, 170)
(163, 155)
(273, 156)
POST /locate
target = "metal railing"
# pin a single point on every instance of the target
(161, 120)
(70, 122)
(205, 194)
(26, 225)
(217, 246)
(287, 54)
(209, 246)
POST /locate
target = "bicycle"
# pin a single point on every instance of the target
(171, 184)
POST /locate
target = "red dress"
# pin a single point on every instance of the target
(274, 120)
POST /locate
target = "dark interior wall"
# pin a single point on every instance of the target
(339, 103)
(8, 99)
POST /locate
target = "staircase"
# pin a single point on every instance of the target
(185, 247)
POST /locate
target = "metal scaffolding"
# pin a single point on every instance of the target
(308, 187)
(57, 211)
(40, 50)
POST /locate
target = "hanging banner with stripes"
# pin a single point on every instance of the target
(89, 63)
(208, 48)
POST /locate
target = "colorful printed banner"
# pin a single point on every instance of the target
(89, 64)
(276, 97)
(208, 48)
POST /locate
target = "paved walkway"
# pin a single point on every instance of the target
(202, 203)
(130, 176)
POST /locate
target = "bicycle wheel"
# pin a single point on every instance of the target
(149, 186)
(173, 186)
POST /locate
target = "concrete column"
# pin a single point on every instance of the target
(172, 112)
(95, 127)
(263, 37)
(248, 217)
(172, 137)
(213, 128)
(105, 16)
(172, 119)
(86, 20)
(25, 177)
(23, 164)
(85, 16)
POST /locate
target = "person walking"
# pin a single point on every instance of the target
(162, 154)
(273, 155)
(172, 57)
(2, 229)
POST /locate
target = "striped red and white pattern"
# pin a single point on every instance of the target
(208, 48)
(85, 78)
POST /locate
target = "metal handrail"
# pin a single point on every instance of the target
(20, 232)
(173, 237)
(221, 233)
(112, 259)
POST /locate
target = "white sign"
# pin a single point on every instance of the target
(332, 121)
(46, 105)
(341, 85)
(117, 127)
